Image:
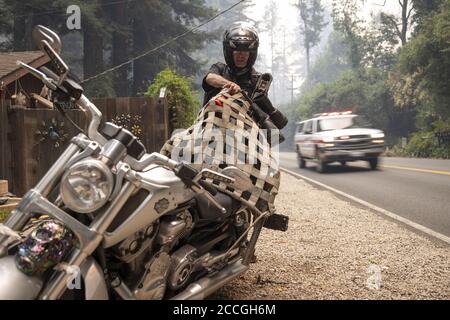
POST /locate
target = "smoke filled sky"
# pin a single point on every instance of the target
(287, 29)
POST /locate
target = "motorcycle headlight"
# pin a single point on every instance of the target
(86, 186)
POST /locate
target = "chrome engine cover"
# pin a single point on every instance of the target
(154, 282)
(175, 227)
(135, 245)
(183, 264)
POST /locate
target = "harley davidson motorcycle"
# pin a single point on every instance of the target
(128, 224)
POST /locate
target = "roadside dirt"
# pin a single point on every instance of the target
(336, 250)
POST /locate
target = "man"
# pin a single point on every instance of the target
(207, 143)
(240, 49)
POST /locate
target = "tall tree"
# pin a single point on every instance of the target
(346, 21)
(422, 74)
(400, 27)
(311, 25)
(153, 23)
(120, 46)
(19, 18)
(423, 10)
(96, 29)
(270, 24)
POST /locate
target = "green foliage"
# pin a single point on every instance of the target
(421, 80)
(367, 45)
(423, 144)
(423, 9)
(422, 76)
(3, 215)
(365, 93)
(346, 21)
(109, 41)
(405, 92)
(182, 102)
(156, 21)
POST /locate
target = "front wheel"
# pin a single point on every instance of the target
(321, 166)
(301, 161)
(373, 163)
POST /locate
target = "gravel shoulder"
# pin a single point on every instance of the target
(337, 250)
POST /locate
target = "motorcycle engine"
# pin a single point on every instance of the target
(172, 228)
(132, 247)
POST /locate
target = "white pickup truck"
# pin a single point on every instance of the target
(337, 136)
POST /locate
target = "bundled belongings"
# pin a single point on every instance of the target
(225, 134)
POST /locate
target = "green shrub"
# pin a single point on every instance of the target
(3, 215)
(183, 104)
(422, 145)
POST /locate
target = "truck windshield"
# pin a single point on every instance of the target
(337, 123)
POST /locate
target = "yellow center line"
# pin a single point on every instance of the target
(417, 169)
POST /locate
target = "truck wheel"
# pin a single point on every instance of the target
(321, 166)
(301, 161)
(373, 163)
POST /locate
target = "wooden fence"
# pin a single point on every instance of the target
(31, 140)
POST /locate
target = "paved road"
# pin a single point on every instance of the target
(417, 189)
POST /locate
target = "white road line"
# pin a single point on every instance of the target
(394, 216)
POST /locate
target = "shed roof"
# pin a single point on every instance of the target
(10, 71)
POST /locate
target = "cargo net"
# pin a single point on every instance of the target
(224, 134)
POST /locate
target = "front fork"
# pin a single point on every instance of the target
(89, 237)
(21, 215)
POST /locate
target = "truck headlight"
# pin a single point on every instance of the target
(86, 186)
(377, 135)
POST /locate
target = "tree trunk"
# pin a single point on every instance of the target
(405, 17)
(93, 51)
(307, 58)
(138, 65)
(19, 31)
(119, 49)
(306, 35)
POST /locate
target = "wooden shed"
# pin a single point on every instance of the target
(32, 136)
(15, 80)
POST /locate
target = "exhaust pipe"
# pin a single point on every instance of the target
(204, 287)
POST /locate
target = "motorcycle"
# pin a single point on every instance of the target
(110, 221)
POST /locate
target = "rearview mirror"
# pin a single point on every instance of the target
(50, 43)
(41, 33)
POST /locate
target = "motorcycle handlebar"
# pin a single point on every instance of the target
(38, 74)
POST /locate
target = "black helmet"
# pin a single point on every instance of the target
(240, 37)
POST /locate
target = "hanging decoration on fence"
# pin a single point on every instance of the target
(53, 133)
(131, 123)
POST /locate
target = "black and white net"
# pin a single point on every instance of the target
(224, 134)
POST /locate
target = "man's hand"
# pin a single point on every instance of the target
(234, 88)
(220, 82)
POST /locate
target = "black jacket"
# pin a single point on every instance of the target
(247, 82)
